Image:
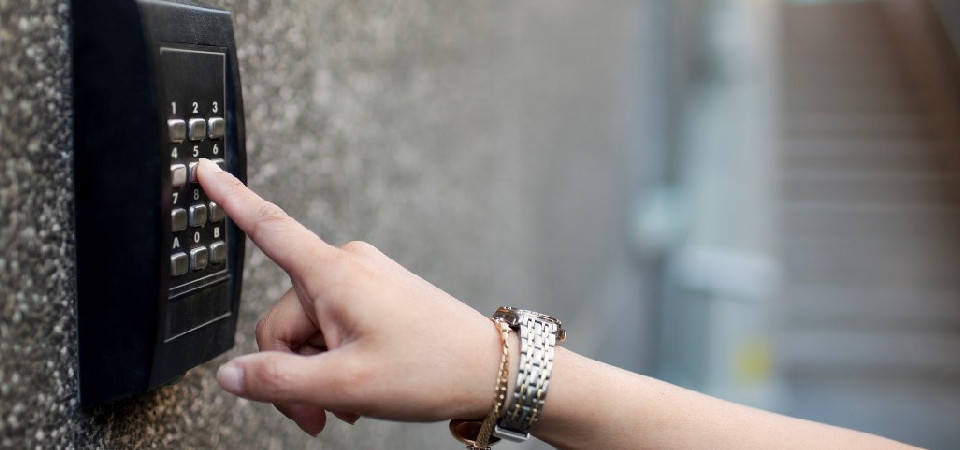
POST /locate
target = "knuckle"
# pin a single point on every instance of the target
(354, 376)
(261, 331)
(360, 248)
(271, 378)
(268, 214)
(233, 182)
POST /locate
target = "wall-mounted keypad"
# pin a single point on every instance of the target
(194, 98)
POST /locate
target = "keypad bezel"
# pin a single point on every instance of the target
(193, 80)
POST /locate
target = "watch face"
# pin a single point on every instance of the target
(512, 317)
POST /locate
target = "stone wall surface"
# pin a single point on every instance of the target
(486, 145)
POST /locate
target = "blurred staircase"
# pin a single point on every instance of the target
(869, 331)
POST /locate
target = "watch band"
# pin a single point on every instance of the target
(539, 335)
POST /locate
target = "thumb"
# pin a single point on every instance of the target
(280, 377)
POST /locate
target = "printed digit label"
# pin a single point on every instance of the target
(173, 154)
(216, 149)
(196, 194)
(216, 108)
(196, 151)
(176, 195)
(196, 237)
(216, 232)
(196, 107)
(173, 105)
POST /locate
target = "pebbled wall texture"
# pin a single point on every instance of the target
(490, 146)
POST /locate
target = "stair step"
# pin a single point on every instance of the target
(803, 98)
(861, 186)
(872, 308)
(867, 261)
(892, 221)
(856, 124)
(855, 154)
(879, 350)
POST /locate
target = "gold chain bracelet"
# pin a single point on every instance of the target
(463, 430)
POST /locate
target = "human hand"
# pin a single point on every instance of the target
(357, 334)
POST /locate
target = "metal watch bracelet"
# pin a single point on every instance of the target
(539, 334)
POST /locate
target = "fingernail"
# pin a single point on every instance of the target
(231, 378)
(210, 165)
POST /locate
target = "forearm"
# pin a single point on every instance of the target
(593, 405)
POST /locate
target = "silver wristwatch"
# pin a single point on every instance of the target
(539, 334)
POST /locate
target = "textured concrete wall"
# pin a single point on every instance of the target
(487, 145)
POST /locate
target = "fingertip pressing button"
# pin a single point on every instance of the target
(192, 170)
(177, 130)
(220, 162)
(198, 215)
(218, 252)
(198, 129)
(178, 175)
(198, 258)
(178, 219)
(215, 213)
(216, 127)
(178, 264)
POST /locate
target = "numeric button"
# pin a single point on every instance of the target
(216, 127)
(218, 252)
(177, 130)
(178, 264)
(198, 215)
(198, 258)
(198, 129)
(215, 212)
(178, 175)
(192, 171)
(178, 219)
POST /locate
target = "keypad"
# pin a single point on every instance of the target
(194, 98)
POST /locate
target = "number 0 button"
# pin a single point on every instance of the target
(198, 258)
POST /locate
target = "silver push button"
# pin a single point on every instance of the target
(198, 215)
(178, 264)
(215, 212)
(178, 175)
(178, 219)
(218, 252)
(198, 258)
(220, 162)
(198, 129)
(216, 127)
(192, 170)
(177, 129)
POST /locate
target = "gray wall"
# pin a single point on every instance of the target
(490, 146)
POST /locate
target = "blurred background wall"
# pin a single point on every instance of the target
(753, 199)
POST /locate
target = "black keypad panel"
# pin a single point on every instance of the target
(195, 123)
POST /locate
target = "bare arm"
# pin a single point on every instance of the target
(359, 335)
(595, 405)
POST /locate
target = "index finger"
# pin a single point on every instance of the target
(284, 240)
